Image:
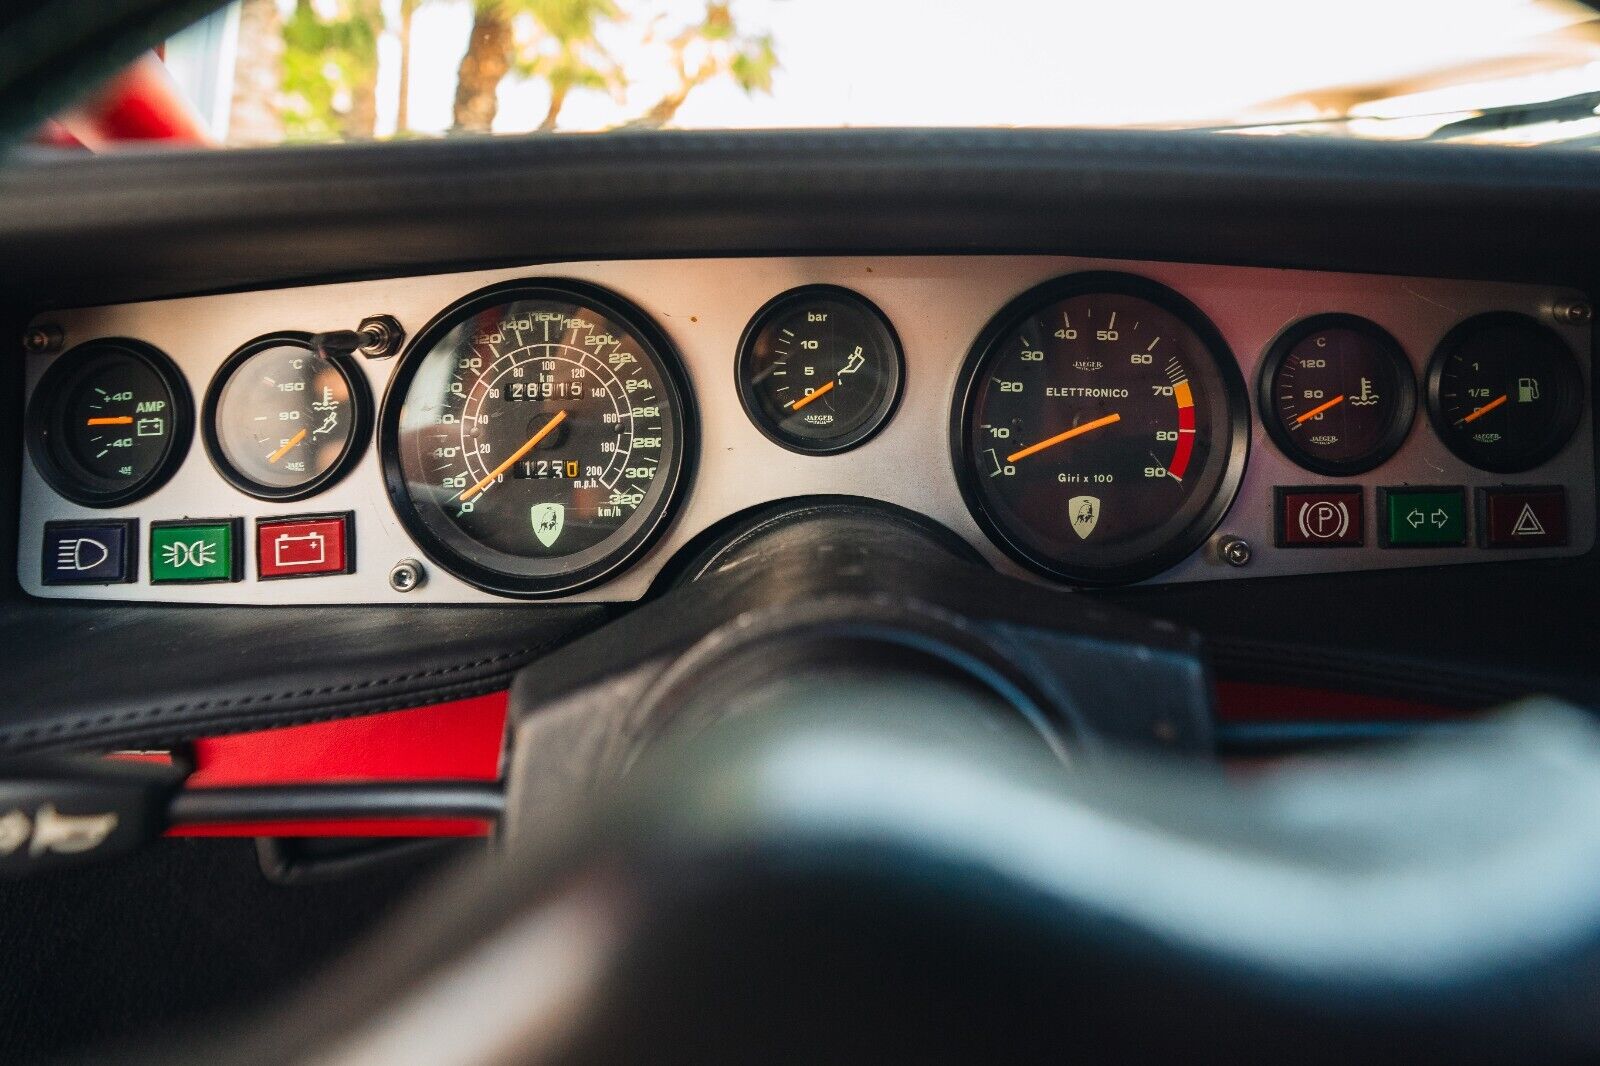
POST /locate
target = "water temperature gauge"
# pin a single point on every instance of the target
(284, 421)
(819, 370)
(1337, 394)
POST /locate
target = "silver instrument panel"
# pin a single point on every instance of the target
(937, 304)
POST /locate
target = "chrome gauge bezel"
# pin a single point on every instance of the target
(678, 462)
(355, 445)
(1234, 449)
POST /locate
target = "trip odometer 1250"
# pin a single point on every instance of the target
(1100, 428)
(534, 436)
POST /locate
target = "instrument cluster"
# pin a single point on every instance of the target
(559, 433)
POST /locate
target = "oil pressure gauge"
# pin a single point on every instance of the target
(819, 370)
(283, 420)
(1337, 394)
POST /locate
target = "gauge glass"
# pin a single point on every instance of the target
(109, 422)
(1504, 392)
(1337, 394)
(283, 420)
(1102, 428)
(535, 435)
(819, 369)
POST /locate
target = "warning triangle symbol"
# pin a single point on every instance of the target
(1528, 524)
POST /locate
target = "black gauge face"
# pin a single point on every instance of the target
(283, 421)
(534, 437)
(1337, 394)
(1504, 392)
(819, 370)
(1101, 428)
(109, 422)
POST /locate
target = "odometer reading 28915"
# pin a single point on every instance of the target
(1100, 429)
(534, 437)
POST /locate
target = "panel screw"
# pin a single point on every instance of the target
(1235, 551)
(407, 575)
(381, 336)
(42, 339)
(1571, 312)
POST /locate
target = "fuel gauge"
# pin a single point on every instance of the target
(283, 420)
(1504, 392)
(1337, 394)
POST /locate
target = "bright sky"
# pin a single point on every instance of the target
(1006, 62)
(1020, 62)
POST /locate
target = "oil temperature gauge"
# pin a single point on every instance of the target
(1337, 394)
(282, 420)
(819, 370)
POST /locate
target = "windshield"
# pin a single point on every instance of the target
(262, 72)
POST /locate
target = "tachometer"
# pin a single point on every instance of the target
(534, 436)
(1100, 428)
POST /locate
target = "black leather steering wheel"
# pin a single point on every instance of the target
(725, 852)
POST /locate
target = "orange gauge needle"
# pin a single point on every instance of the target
(120, 420)
(1485, 409)
(1075, 431)
(533, 442)
(802, 401)
(290, 443)
(1321, 407)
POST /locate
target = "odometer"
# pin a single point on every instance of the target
(1101, 428)
(534, 436)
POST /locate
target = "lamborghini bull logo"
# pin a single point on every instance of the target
(1085, 513)
(548, 518)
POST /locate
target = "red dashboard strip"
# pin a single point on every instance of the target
(459, 741)
(375, 827)
(1246, 701)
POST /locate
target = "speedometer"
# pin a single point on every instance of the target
(534, 436)
(1100, 428)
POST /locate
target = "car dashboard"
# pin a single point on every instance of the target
(1358, 460)
(1403, 570)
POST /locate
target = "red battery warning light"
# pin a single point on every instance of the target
(303, 547)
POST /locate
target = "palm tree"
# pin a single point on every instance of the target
(564, 52)
(748, 60)
(255, 114)
(486, 62)
(402, 114)
(570, 56)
